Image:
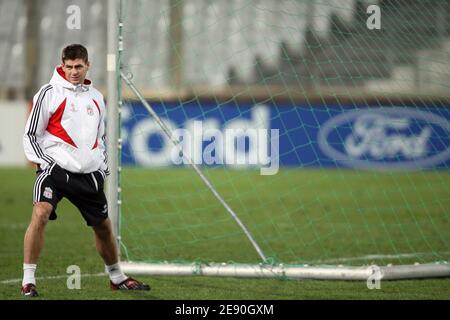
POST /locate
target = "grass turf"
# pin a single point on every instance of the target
(297, 216)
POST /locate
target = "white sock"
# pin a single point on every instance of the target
(28, 273)
(115, 273)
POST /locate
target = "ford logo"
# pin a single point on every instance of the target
(386, 138)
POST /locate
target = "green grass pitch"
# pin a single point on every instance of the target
(298, 216)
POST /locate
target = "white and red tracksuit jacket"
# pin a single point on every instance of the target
(67, 126)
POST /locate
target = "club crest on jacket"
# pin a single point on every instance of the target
(90, 110)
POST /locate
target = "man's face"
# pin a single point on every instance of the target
(75, 70)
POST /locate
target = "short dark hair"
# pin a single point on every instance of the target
(74, 51)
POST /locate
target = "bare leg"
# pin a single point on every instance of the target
(107, 248)
(105, 243)
(34, 236)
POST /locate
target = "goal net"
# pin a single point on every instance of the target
(319, 133)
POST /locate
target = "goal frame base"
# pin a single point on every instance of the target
(400, 272)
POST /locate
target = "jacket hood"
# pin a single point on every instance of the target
(59, 78)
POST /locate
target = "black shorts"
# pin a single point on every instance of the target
(85, 191)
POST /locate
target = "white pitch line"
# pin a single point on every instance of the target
(380, 257)
(53, 277)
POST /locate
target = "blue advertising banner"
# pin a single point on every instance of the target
(242, 135)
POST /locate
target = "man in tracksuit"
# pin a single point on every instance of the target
(65, 138)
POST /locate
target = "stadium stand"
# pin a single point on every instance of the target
(233, 42)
